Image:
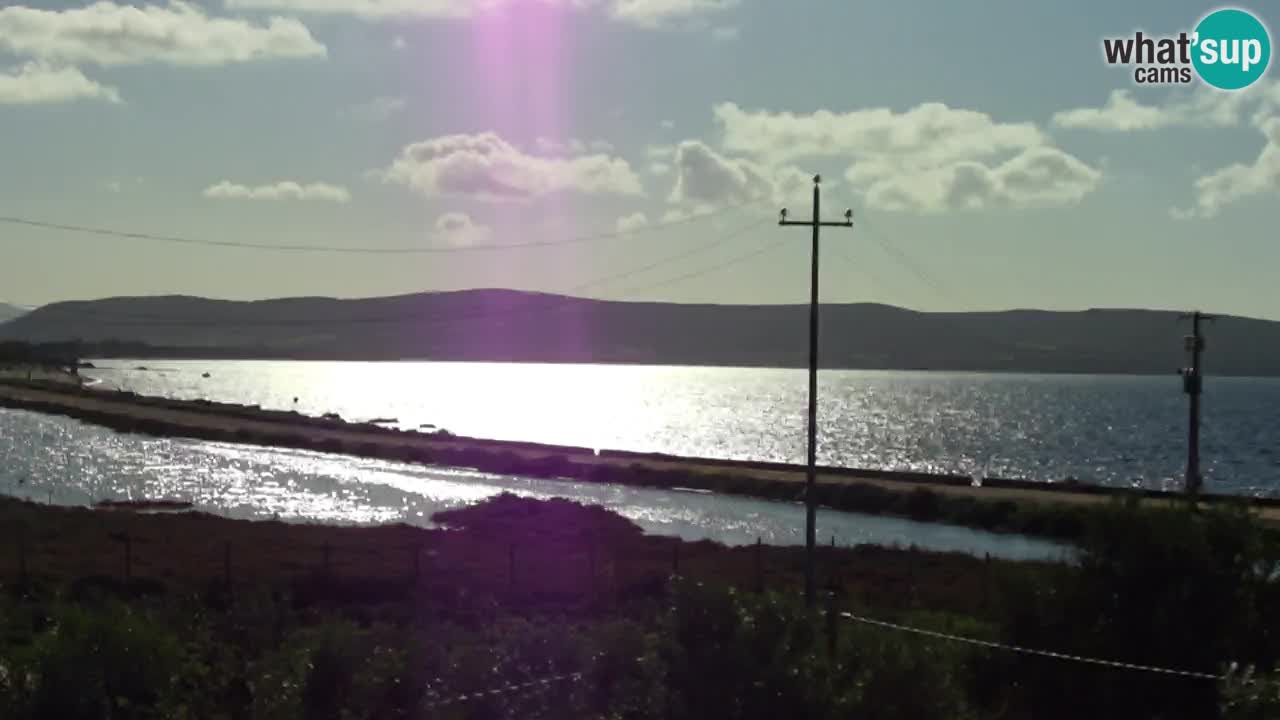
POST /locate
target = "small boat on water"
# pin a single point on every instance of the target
(205, 375)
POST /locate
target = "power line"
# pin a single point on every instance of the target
(921, 273)
(705, 271)
(436, 249)
(1029, 651)
(567, 303)
(132, 319)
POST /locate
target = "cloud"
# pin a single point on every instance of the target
(378, 109)
(643, 13)
(668, 125)
(926, 135)
(118, 185)
(459, 229)
(287, 190)
(1036, 177)
(1121, 112)
(705, 177)
(180, 33)
(725, 33)
(657, 13)
(399, 43)
(659, 168)
(488, 167)
(632, 222)
(1202, 107)
(571, 146)
(37, 83)
(929, 158)
(1238, 181)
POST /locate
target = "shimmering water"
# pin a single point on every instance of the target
(59, 460)
(1103, 429)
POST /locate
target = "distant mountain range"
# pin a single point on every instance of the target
(9, 312)
(505, 325)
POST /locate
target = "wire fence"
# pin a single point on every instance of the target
(1029, 651)
(432, 702)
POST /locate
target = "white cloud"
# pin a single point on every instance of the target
(118, 185)
(1202, 107)
(644, 13)
(36, 83)
(571, 146)
(926, 135)
(370, 9)
(399, 43)
(487, 166)
(656, 13)
(286, 190)
(929, 158)
(725, 33)
(660, 153)
(632, 222)
(676, 215)
(180, 33)
(459, 229)
(659, 168)
(378, 109)
(1036, 177)
(705, 177)
(1237, 181)
(1121, 112)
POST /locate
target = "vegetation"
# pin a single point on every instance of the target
(1179, 589)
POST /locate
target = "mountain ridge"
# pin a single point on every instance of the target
(511, 325)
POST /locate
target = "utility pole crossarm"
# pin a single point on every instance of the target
(825, 223)
(811, 473)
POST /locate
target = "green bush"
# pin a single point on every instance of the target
(1168, 588)
(93, 663)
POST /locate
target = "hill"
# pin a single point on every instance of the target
(10, 312)
(504, 325)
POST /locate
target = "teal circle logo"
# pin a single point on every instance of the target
(1232, 49)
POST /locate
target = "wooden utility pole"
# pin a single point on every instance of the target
(811, 473)
(1192, 385)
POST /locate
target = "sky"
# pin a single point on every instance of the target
(991, 157)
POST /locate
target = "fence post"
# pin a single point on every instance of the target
(511, 565)
(22, 556)
(226, 566)
(833, 624)
(986, 580)
(759, 552)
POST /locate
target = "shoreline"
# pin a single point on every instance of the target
(1064, 372)
(1050, 510)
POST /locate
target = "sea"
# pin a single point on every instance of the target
(1111, 430)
